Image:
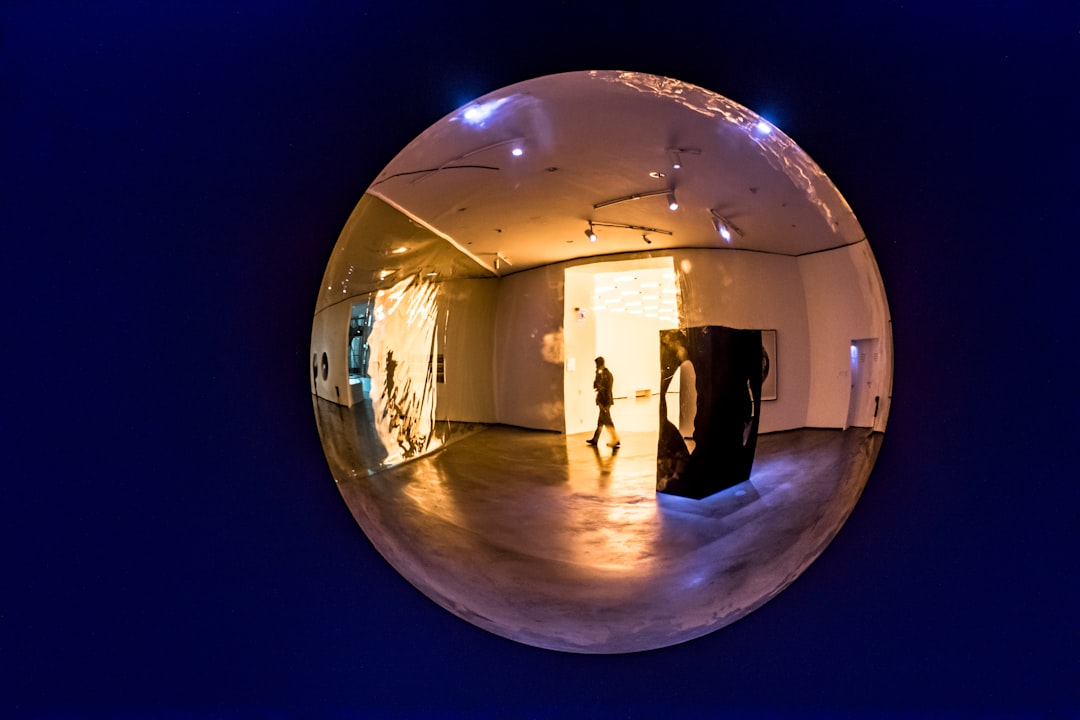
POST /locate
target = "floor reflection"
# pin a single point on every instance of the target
(541, 538)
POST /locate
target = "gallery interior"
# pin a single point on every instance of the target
(734, 299)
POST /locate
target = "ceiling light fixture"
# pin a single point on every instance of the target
(675, 155)
(639, 228)
(672, 203)
(498, 260)
(590, 233)
(517, 149)
(636, 196)
(724, 226)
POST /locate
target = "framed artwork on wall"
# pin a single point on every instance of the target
(768, 365)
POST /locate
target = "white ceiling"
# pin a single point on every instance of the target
(591, 137)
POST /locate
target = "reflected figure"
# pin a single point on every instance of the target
(727, 367)
(401, 410)
(605, 466)
(603, 383)
(672, 452)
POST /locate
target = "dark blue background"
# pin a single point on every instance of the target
(174, 176)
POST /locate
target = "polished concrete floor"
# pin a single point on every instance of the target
(540, 538)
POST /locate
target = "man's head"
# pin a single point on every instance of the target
(599, 363)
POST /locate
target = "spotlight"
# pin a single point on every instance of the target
(723, 226)
(675, 155)
(672, 203)
(590, 233)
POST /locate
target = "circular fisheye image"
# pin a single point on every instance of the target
(606, 362)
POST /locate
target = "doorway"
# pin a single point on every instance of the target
(864, 403)
(615, 310)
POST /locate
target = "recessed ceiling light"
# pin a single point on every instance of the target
(657, 174)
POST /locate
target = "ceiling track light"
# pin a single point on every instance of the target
(498, 260)
(590, 233)
(517, 149)
(675, 155)
(725, 227)
(640, 228)
(668, 192)
(673, 204)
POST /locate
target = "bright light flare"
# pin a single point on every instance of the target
(479, 114)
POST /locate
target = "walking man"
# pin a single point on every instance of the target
(602, 384)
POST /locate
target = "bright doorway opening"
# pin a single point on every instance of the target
(616, 310)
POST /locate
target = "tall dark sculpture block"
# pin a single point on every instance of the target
(726, 366)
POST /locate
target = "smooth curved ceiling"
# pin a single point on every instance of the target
(461, 179)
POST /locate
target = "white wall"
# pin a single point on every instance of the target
(845, 301)
(817, 304)
(754, 291)
(466, 338)
(529, 349)
(330, 334)
(580, 347)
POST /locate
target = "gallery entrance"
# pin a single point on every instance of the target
(616, 310)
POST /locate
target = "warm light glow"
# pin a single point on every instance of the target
(517, 152)
(399, 250)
